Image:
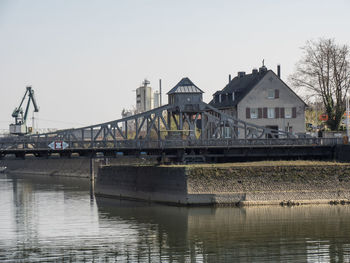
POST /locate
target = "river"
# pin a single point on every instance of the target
(51, 219)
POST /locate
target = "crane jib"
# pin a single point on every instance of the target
(20, 127)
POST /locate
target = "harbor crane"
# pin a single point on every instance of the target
(20, 125)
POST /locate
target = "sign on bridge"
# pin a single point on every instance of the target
(58, 145)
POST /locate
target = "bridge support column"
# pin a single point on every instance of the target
(92, 179)
(92, 170)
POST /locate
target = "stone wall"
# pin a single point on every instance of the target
(271, 184)
(206, 185)
(242, 184)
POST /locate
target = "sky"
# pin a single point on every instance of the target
(85, 58)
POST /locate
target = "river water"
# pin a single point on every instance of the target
(50, 219)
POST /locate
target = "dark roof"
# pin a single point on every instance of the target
(241, 86)
(185, 86)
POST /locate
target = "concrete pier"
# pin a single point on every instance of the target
(65, 167)
(285, 183)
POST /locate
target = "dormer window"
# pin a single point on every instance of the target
(216, 98)
(220, 99)
(233, 96)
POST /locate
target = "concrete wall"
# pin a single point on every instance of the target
(75, 167)
(188, 185)
(66, 167)
(342, 153)
(143, 182)
(257, 98)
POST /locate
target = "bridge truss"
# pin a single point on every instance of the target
(174, 131)
(168, 126)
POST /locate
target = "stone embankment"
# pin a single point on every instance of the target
(284, 183)
(65, 167)
(75, 167)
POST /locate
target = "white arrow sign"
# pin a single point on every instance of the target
(58, 145)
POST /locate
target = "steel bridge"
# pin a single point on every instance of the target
(185, 127)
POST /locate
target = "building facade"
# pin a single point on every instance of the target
(262, 98)
(144, 97)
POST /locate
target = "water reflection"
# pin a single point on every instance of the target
(54, 219)
(241, 234)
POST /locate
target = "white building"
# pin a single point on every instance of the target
(262, 98)
(144, 97)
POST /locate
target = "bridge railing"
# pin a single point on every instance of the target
(24, 143)
(232, 143)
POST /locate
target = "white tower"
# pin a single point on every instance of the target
(144, 97)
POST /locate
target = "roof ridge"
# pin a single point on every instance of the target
(241, 86)
(185, 85)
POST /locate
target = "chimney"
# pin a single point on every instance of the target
(241, 74)
(229, 78)
(279, 70)
(262, 69)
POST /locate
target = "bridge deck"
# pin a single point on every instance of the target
(194, 152)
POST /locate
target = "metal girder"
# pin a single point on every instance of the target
(250, 131)
(167, 120)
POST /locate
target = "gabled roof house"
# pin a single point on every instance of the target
(262, 98)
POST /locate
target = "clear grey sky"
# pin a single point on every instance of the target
(84, 58)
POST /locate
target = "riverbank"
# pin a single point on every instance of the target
(250, 183)
(63, 167)
(254, 183)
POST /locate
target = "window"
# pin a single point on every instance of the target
(216, 98)
(227, 132)
(220, 98)
(277, 93)
(288, 113)
(223, 97)
(270, 94)
(253, 113)
(233, 96)
(271, 113)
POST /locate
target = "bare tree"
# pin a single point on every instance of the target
(324, 72)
